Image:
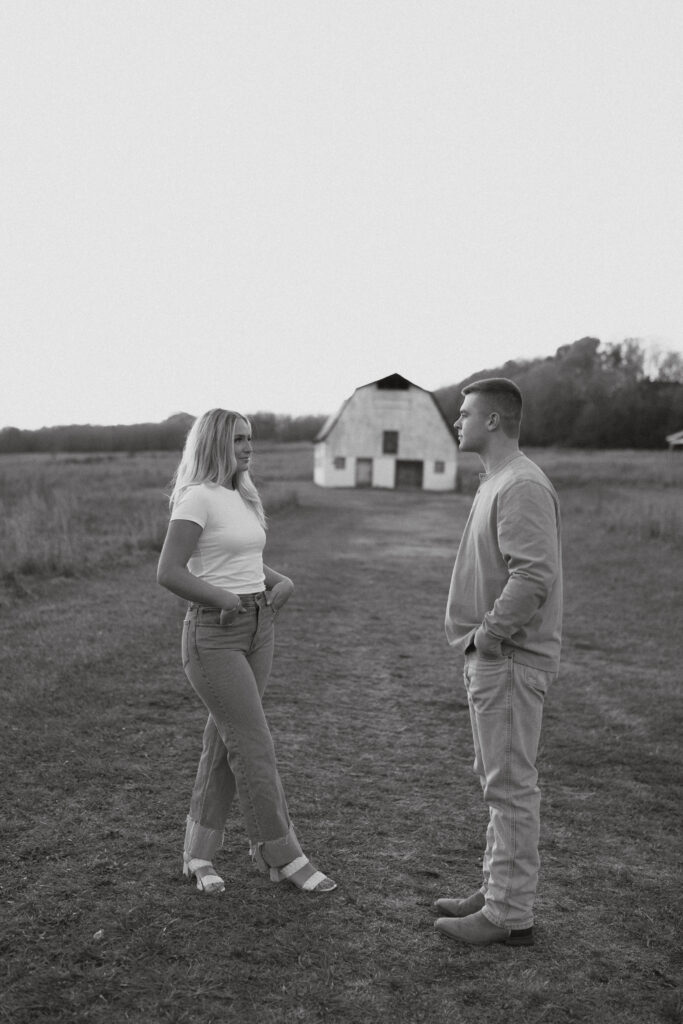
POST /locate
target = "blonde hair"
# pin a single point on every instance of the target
(209, 457)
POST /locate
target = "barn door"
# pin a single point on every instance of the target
(409, 473)
(363, 472)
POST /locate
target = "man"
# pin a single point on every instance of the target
(504, 614)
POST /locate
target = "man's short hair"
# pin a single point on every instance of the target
(504, 397)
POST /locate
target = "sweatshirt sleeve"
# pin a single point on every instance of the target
(528, 540)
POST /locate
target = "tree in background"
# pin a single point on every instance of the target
(592, 396)
(587, 395)
(268, 426)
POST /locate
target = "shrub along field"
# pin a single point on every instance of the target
(101, 732)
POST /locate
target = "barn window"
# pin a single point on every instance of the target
(340, 462)
(439, 467)
(390, 442)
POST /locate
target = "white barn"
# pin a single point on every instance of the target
(389, 433)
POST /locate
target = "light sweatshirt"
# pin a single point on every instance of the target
(507, 577)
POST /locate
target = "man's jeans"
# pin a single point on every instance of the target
(506, 711)
(229, 666)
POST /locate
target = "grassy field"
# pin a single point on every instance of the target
(70, 514)
(100, 735)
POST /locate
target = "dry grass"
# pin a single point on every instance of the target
(100, 739)
(69, 515)
(635, 495)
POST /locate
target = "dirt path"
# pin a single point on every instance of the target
(362, 665)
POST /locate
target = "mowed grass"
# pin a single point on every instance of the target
(101, 732)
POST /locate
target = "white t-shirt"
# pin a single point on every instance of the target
(229, 552)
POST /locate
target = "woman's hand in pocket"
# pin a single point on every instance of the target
(280, 594)
(229, 615)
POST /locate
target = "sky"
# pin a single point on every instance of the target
(264, 204)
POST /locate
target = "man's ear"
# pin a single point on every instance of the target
(493, 421)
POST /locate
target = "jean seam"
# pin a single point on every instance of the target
(508, 779)
(253, 647)
(236, 749)
(497, 909)
(196, 650)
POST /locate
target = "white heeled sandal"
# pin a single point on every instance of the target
(204, 874)
(317, 882)
(310, 881)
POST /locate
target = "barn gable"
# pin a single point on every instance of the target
(389, 433)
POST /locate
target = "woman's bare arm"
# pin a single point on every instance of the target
(172, 571)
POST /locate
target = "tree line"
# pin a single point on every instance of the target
(166, 436)
(590, 395)
(587, 395)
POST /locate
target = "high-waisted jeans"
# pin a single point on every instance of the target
(229, 666)
(506, 711)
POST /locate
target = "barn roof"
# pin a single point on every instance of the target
(393, 382)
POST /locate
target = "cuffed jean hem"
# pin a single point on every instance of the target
(201, 843)
(277, 852)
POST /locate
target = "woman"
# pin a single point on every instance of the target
(212, 557)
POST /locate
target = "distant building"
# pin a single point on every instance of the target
(389, 433)
(675, 440)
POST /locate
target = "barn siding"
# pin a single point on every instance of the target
(358, 433)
